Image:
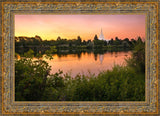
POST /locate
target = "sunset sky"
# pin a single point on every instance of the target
(86, 26)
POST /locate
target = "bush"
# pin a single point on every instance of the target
(30, 78)
(137, 61)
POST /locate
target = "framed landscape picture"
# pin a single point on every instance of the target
(67, 61)
(80, 57)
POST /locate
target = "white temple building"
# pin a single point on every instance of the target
(101, 36)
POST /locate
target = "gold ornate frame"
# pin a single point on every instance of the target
(149, 106)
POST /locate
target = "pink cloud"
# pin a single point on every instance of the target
(71, 26)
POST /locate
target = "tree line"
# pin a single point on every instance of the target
(23, 44)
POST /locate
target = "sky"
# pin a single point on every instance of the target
(86, 26)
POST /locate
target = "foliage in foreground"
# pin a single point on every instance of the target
(30, 78)
(122, 83)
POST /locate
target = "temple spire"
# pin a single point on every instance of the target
(101, 36)
(101, 31)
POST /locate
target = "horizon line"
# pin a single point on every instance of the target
(135, 38)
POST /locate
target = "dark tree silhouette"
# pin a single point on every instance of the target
(95, 37)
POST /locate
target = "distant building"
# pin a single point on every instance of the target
(101, 36)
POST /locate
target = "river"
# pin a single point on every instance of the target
(87, 63)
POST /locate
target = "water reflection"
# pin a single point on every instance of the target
(86, 62)
(101, 58)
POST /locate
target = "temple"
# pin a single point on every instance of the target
(101, 36)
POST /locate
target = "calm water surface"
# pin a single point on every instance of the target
(87, 63)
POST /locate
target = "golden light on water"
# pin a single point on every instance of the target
(87, 62)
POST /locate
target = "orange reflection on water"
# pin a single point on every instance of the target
(87, 62)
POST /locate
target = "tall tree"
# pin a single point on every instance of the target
(79, 40)
(95, 37)
(139, 40)
(59, 38)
